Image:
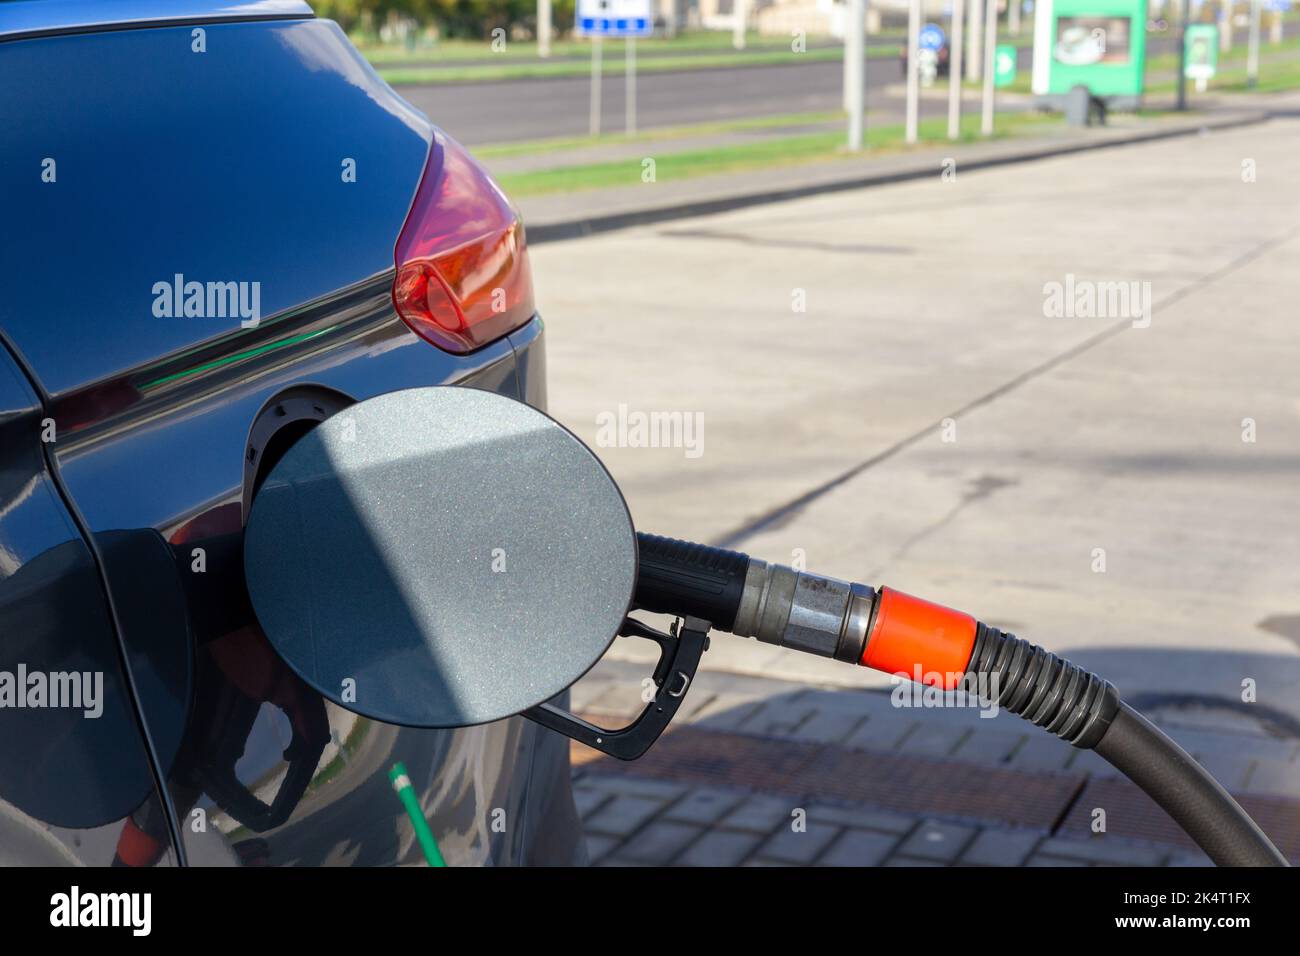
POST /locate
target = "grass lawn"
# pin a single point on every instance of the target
(786, 151)
(657, 135)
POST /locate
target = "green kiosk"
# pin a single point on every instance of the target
(1098, 44)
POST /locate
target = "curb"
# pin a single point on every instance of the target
(589, 225)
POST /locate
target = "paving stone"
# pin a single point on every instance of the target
(1042, 859)
(935, 840)
(933, 740)
(589, 799)
(828, 726)
(720, 848)
(775, 719)
(1091, 763)
(859, 848)
(633, 785)
(703, 807)
(598, 847)
(881, 733)
(861, 702)
(586, 692)
(1103, 849)
(800, 847)
(1204, 741)
(910, 861)
(726, 711)
(994, 847)
(1190, 858)
(761, 814)
(864, 818)
(623, 815)
(1041, 752)
(660, 842)
(988, 746)
(1275, 777)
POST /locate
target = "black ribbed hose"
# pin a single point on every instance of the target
(1081, 708)
(1141, 751)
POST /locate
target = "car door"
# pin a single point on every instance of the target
(77, 782)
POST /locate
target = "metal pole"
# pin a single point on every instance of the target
(855, 68)
(1225, 27)
(1252, 55)
(1182, 55)
(741, 8)
(954, 70)
(1013, 17)
(629, 86)
(543, 28)
(913, 81)
(593, 126)
(990, 46)
(973, 46)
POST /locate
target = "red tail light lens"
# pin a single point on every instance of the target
(462, 270)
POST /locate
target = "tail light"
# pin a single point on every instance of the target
(462, 269)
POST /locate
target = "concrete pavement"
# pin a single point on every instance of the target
(883, 396)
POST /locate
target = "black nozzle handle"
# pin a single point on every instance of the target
(688, 579)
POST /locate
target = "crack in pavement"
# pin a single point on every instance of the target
(777, 516)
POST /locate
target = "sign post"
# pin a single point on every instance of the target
(990, 44)
(1277, 7)
(613, 18)
(855, 76)
(929, 42)
(543, 28)
(913, 91)
(593, 122)
(1252, 54)
(629, 85)
(954, 72)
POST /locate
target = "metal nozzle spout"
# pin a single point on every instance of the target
(806, 612)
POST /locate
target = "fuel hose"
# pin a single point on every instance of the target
(888, 630)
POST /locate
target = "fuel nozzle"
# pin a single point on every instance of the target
(897, 633)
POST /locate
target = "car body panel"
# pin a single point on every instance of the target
(70, 777)
(23, 18)
(221, 166)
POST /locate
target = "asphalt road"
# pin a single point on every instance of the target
(514, 110)
(1097, 495)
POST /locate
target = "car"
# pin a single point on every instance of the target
(222, 228)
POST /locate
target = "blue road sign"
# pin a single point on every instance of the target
(931, 37)
(614, 18)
